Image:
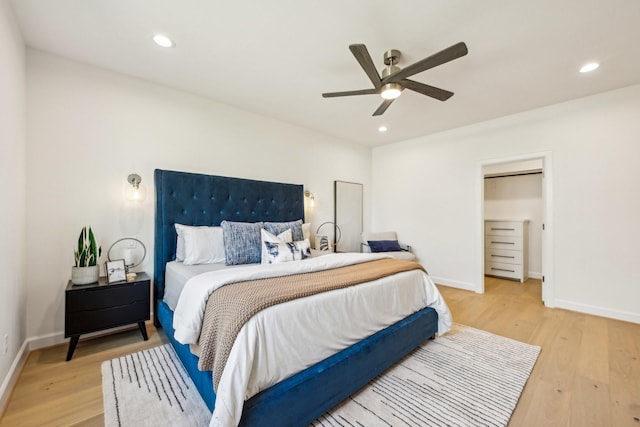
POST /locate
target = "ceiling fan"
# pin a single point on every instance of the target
(394, 79)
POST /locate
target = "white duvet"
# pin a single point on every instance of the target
(324, 324)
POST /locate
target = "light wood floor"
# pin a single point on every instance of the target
(587, 374)
(53, 392)
(588, 371)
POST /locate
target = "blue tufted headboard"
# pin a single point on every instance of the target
(197, 199)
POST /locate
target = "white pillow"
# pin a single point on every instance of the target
(180, 242)
(287, 251)
(202, 245)
(285, 236)
(306, 231)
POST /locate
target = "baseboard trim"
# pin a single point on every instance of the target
(626, 316)
(12, 377)
(535, 275)
(455, 284)
(57, 338)
(42, 341)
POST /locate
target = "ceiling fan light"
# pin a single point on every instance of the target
(391, 91)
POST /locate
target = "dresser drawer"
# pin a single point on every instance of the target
(503, 228)
(503, 256)
(511, 271)
(503, 242)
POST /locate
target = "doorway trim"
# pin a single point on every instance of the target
(548, 257)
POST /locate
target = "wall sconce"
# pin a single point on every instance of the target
(309, 195)
(135, 193)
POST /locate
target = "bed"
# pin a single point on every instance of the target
(197, 199)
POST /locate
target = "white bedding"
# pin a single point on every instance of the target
(177, 275)
(325, 324)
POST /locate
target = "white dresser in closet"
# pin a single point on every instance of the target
(505, 253)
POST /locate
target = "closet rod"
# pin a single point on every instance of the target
(513, 174)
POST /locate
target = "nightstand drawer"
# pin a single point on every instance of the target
(106, 296)
(82, 322)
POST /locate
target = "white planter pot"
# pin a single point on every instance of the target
(85, 275)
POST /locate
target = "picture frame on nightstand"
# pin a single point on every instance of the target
(116, 271)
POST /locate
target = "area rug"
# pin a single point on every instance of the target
(467, 377)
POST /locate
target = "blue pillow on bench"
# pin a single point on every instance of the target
(384, 246)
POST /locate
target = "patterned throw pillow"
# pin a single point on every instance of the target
(276, 228)
(285, 236)
(242, 242)
(288, 251)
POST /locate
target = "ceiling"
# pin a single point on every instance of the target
(277, 57)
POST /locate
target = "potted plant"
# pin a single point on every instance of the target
(86, 255)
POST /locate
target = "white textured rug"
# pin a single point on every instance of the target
(468, 377)
(151, 388)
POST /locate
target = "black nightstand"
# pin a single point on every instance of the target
(99, 306)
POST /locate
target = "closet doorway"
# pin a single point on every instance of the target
(516, 192)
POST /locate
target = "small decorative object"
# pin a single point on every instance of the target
(131, 250)
(86, 269)
(116, 271)
(323, 242)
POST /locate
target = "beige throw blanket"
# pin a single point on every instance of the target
(231, 306)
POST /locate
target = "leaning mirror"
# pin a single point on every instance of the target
(348, 215)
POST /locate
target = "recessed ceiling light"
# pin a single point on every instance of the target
(382, 129)
(162, 40)
(587, 68)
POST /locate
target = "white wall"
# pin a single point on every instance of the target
(12, 192)
(595, 178)
(89, 128)
(518, 197)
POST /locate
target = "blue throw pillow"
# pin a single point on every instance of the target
(276, 228)
(242, 242)
(384, 246)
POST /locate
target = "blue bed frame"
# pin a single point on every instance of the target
(196, 199)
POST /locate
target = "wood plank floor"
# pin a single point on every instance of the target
(53, 392)
(587, 374)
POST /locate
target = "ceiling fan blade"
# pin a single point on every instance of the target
(446, 55)
(351, 93)
(383, 107)
(364, 59)
(433, 92)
